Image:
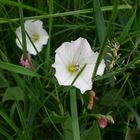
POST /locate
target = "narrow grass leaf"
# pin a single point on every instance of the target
(137, 117)
(10, 122)
(104, 34)
(47, 59)
(99, 19)
(126, 29)
(23, 121)
(17, 69)
(69, 13)
(6, 134)
(16, 4)
(74, 115)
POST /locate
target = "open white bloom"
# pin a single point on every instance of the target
(36, 36)
(70, 58)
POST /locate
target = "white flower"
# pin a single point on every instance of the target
(35, 35)
(70, 58)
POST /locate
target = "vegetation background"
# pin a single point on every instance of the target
(34, 107)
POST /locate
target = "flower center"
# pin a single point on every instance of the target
(73, 68)
(35, 37)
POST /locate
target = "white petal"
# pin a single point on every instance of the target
(63, 77)
(43, 37)
(76, 52)
(83, 84)
(19, 37)
(101, 68)
(62, 74)
(64, 51)
(31, 48)
(83, 49)
(87, 72)
(91, 60)
(33, 28)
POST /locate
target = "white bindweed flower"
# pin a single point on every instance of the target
(36, 36)
(70, 58)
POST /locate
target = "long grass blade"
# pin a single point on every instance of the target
(17, 69)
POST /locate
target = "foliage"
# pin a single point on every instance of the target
(34, 106)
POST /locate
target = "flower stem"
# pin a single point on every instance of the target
(22, 30)
(74, 115)
(47, 59)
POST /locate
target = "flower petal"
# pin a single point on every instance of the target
(43, 37)
(76, 53)
(19, 37)
(83, 84)
(34, 49)
(33, 26)
(36, 36)
(101, 68)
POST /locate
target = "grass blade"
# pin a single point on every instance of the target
(74, 115)
(26, 130)
(16, 4)
(17, 69)
(127, 28)
(10, 122)
(23, 31)
(104, 39)
(99, 19)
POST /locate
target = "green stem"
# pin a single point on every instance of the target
(22, 31)
(47, 59)
(105, 35)
(74, 115)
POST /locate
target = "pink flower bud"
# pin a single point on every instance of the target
(102, 122)
(26, 62)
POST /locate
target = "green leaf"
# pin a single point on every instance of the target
(10, 122)
(17, 69)
(74, 114)
(126, 29)
(16, 4)
(26, 128)
(99, 19)
(65, 122)
(112, 98)
(67, 128)
(55, 118)
(13, 93)
(136, 115)
(24, 49)
(6, 134)
(93, 133)
(69, 13)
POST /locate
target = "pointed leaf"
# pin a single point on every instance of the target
(13, 93)
(93, 133)
(99, 19)
(16, 69)
(112, 98)
(126, 28)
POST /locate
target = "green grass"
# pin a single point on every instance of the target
(42, 109)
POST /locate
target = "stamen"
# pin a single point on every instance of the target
(73, 68)
(77, 68)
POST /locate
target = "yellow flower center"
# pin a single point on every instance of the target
(73, 68)
(36, 37)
